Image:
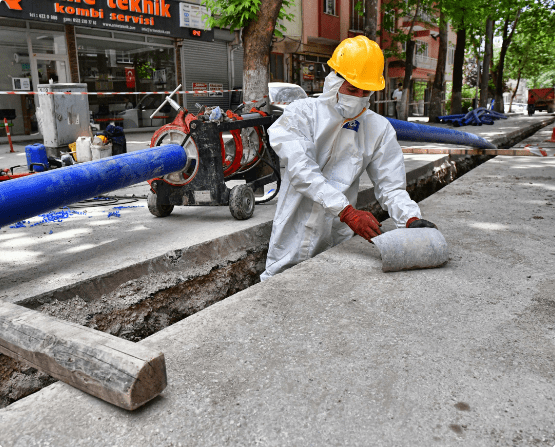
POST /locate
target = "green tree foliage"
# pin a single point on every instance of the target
(532, 53)
(237, 14)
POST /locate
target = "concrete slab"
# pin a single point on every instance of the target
(42, 260)
(336, 352)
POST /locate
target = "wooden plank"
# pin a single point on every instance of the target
(115, 370)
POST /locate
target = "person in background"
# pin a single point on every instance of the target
(128, 103)
(396, 96)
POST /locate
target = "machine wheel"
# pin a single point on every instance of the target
(241, 202)
(155, 209)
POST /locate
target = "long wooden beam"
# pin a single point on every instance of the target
(115, 370)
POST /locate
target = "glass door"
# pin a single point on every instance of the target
(49, 57)
(52, 69)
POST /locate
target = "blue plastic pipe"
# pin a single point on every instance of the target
(39, 193)
(420, 132)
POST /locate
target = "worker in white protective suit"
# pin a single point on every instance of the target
(326, 143)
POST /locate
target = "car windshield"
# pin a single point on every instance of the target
(150, 102)
(286, 94)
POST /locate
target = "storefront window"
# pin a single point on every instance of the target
(117, 66)
(314, 70)
(48, 43)
(16, 75)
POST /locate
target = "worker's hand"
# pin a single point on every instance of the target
(420, 223)
(362, 223)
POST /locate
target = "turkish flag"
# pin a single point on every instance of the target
(130, 77)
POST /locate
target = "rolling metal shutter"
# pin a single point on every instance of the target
(236, 97)
(205, 62)
(238, 67)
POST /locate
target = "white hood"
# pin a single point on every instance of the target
(331, 87)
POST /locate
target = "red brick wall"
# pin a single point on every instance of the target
(330, 26)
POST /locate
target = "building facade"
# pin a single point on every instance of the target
(320, 25)
(114, 46)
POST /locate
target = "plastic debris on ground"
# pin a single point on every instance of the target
(56, 216)
(65, 213)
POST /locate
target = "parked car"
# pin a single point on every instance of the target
(139, 116)
(278, 92)
(284, 92)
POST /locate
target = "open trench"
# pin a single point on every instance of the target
(138, 303)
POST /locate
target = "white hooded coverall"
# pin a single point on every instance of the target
(324, 156)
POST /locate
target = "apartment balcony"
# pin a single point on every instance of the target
(422, 22)
(425, 62)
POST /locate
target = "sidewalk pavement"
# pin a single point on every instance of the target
(39, 262)
(336, 352)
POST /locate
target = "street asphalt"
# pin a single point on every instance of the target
(336, 352)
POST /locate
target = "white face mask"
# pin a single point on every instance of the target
(350, 106)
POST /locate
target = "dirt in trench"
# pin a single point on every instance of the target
(133, 314)
(17, 380)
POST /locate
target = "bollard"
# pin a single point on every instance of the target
(30, 196)
(7, 127)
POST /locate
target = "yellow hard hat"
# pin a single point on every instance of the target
(360, 61)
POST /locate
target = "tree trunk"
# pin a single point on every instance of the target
(514, 93)
(499, 106)
(458, 63)
(407, 87)
(257, 41)
(370, 19)
(435, 109)
(370, 30)
(484, 89)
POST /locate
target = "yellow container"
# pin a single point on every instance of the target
(73, 149)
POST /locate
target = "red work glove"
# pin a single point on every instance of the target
(362, 223)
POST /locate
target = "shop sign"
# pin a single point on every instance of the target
(199, 86)
(130, 77)
(216, 89)
(156, 17)
(191, 16)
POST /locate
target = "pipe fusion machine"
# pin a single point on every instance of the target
(219, 147)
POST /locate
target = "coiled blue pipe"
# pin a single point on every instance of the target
(39, 193)
(430, 134)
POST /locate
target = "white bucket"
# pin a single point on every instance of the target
(83, 149)
(99, 152)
